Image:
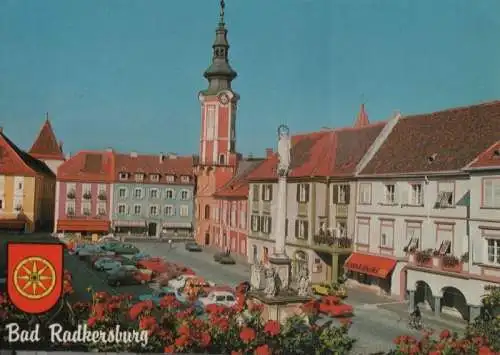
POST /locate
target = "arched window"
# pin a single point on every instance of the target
(207, 212)
(222, 159)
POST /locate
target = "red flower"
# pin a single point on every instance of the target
(262, 350)
(272, 327)
(2, 299)
(205, 339)
(169, 349)
(184, 330)
(148, 323)
(91, 321)
(236, 353)
(247, 335)
(182, 341)
(140, 307)
(484, 350)
(445, 334)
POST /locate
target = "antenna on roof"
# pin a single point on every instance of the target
(46, 116)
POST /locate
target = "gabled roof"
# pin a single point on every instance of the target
(489, 159)
(444, 141)
(154, 164)
(46, 145)
(334, 152)
(14, 161)
(237, 187)
(88, 166)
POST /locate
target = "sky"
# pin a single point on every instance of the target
(126, 73)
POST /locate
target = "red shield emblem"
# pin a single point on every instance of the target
(35, 274)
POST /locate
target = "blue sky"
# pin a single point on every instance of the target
(126, 73)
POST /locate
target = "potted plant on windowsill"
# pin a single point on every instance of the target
(102, 196)
(436, 258)
(86, 213)
(411, 254)
(71, 195)
(464, 259)
(423, 257)
(451, 262)
(87, 196)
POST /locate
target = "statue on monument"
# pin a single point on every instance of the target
(304, 282)
(271, 289)
(284, 149)
(255, 278)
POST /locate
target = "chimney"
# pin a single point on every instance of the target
(109, 150)
(269, 152)
(68, 156)
(162, 157)
(133, 154)
(172, 155)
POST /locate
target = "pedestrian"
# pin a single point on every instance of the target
(170, 243)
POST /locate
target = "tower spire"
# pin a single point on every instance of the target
(220, 74)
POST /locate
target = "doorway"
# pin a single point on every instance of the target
(207, 239)
(152, 229)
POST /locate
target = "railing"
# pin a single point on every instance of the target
(332, 240)
(428, 259)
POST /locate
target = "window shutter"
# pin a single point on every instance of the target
(306, 229)
(270, 192)
(128, 210)
(259, 223)
(296, 228)
(347, 194)
(286, 227)
(298, 193)
(307, 192)
(269, 224)
(263, 193)
(335, 194)
(477, 250)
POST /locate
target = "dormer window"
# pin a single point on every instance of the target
(170, 178)
(496, 153)
(185, 179)
(154, 177)
(123, 176)
(139, 177)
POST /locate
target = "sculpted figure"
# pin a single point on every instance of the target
(284, 148)
(304, 282)
(270, 289)
(255, 279)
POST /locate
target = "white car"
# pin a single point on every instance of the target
(180, 281)
(122, 268)
(107, 264)
(221, 298)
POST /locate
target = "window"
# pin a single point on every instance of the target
(255, 192)
(70, 208)
(153, 210)
(170, 178)
(343, 192)
(255, 223)
(230, 298)
(184, 211)
(86, 208)
(417, 195)
(138, 193)
(139, 177)
(184, 195)
(444, 236)
(255, 253)
(222, 159)
(169, 194)
(233, 215)
(220, 298)
(153, 193)
(207, 212)
(491, 193)
(386, 233)
(71, 191)
(243, 220)
(123, 176)
(137, 210)
(169, 210)
(445, 196)
(413, 234)
(1, 204)
(122, 192)
(154, 177)
(303, 193)
(493, 251)
(301, 229)
(101, 189)
(390, 194)
(266, 224)
(101, 209)
(185, 179)
(210, 122)
(121, 209)
(86, 191)
(365, 194)
(267, 192)
(363, 231)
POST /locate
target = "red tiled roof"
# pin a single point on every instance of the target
(154, 164)
(334, 152)
(14, 161)
(88, 166)
(46, 145)
(440, 141)
(237, 187)
(488, 159)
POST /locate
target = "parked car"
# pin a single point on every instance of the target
(127, 277)
(219, 255)
(107, 264)
(122, 248)
(227, 260)
(326, 289)
(157, 265)
(222, 298)
(157, 295)
(140, 256)
(334, 307)
(180, 281)
(122, 268)
(192, 246)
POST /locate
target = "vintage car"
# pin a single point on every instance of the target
(157, 295)
(192, 246)
(221, 298)
(128, 277)
(121, 248)
(333, 306)
(156, 265)
(180, 281)
(140, 256)
(326, 289)
(227, 260)
(107, 264)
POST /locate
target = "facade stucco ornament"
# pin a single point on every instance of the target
(284, 150)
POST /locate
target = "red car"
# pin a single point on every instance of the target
(334, 307)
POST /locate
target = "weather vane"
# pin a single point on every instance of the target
(222, 6)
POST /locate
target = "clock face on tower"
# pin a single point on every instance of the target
(224, 99)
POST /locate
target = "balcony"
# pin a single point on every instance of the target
(341, 211)
(434, 261)
(266, 207)
(332, 242)
(302, 209)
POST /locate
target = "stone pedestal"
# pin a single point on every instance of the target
(279, 308)
(282, 265)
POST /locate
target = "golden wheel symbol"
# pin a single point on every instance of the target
(34, 277)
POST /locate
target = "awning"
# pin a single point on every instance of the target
(130, 224)
(82, 225)
(377, 266)
(177, 225)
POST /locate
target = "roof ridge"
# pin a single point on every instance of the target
(453, 109)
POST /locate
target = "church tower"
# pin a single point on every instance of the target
(219, 105)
